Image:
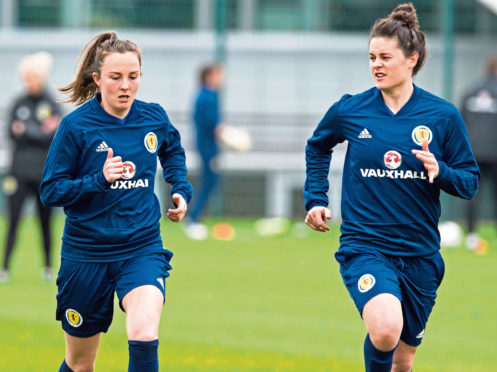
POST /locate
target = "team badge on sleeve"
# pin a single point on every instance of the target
(420, 134)
(366, 282)
(74, 318)
(151, 142)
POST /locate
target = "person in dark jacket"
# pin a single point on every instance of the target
(32, 122)
(479, 110)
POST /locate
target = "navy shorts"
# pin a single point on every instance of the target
(85, 302)
(413, 280)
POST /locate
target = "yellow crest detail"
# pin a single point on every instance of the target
(420, 134)
(151, 142)
(74, 318)
(366, 282)
(9, 185)
(43, 112)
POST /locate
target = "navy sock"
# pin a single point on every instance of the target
(64, 367)
(143, 356)
(377, 360)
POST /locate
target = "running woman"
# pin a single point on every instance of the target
(405, 145)
(101, 168)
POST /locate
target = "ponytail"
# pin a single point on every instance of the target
(84, 88)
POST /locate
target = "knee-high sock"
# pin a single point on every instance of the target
(143, 356)
(64, 367)
(376, 360)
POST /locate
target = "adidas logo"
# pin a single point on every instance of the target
(421, 334)
(161, 282)
(102, 147)
(365, 134)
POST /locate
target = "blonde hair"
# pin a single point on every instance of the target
(84, 88)
(39, 63)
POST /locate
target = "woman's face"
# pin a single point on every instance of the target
(33, 82)
(390, 68)
(119, 80)
(216, 78)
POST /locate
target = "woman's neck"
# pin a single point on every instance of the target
(397, 97)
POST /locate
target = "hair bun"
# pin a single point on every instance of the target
(405, 13)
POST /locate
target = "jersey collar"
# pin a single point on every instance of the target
(384, 110)
(95, 103)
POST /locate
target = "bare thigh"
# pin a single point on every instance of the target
(143, 306)
(81, 352)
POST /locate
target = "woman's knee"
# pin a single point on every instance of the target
(385, 335)
(146, 332)
(383, 318)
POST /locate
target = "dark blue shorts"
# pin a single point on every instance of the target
(85, 302)
(413, 280)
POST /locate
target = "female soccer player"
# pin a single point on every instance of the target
(404, 146)
(101, 168)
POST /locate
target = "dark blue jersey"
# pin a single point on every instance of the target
(104, 221)
(388, 203)
(206, 117)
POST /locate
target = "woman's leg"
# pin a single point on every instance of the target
(208, 182)
(403, 358)
(16, 200)
(80, 353)
(383, 318)
(45, 213)
(143, 306)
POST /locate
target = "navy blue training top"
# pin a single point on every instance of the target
(206, 117)
(109, 222)
(388, 204)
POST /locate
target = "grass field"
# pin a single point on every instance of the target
(254, 304)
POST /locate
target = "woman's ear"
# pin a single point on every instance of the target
(96, 78)
(413, 59)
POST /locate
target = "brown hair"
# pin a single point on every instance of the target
(403, 24)
(206, 71)
(84, 88)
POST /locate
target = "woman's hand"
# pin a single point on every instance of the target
(113, 167)
(177, 214)
(18, 127)
(429, 161)
(316, 218)
(51, 124)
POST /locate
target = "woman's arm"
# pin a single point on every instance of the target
(59, 185)
(318, 157)
(459, 174)
(173, 161)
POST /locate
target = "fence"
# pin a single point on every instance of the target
(284, 15)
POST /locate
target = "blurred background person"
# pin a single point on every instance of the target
(206, 120)
(479, 110)
(33, 120)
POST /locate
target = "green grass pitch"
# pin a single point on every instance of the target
(254, 304)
